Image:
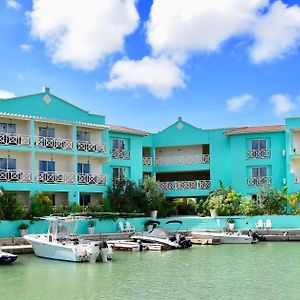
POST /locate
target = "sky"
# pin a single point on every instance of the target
(143, 63)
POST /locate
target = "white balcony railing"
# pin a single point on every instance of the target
(15, 139)
(15, 176)
(120, 154)
(185, 185)
(147, 161)
(183, 160)
(87, 178)
(258, 154)
(90, 147)
(53, 143)
(56, 177)
(258, 181)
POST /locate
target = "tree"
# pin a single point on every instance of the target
(41, 205)
(11, 207)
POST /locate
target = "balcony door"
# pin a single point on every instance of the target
(259, 145)
(47, 166)
(118, 144)
(8, 169)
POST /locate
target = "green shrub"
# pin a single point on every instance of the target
(11, 207)
(250, 208)
(23, 226)
(185, 206)
(41, 205)
(293, 201)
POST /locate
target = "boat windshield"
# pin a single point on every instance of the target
(160, 233)
(61, 227)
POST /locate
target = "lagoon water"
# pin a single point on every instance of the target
(262, 271)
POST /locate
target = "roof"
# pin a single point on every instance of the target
(123, 129)
(254, 129)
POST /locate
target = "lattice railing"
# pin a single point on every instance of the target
(183, 160)
(88, 178)
(120, 154)
(185, 185)
(15, 176)
(258, 181)
(90, 147)
(147, 161)
(15, 139)
(56, 177)
(258, 154)
(54, 143)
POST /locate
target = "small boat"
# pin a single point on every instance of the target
(125, 245)
(7, 258)
(61, 243)
(227, 237)
(161, 236)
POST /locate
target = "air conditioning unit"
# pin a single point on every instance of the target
(284, 181)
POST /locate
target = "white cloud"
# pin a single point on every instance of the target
(25, 47)
(239, 102)
(82, 33)
(13, 4)
(158, 75)
(276, 33)
(282, 104)
(6, 94)
(177, 27)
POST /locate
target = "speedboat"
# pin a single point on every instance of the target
(229, 237)
(159, 235)
(7, 258)
(61, 243)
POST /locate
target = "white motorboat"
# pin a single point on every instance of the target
(227, 237)
(163, 237)
(126, 245)
(61, 243)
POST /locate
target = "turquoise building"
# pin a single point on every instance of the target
(48, 144)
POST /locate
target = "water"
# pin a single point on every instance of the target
(262, 271)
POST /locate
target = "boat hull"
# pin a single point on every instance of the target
(7, 258)
(227, 238)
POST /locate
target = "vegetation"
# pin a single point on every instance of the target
(91, 223)
(23, 226)
(293, 201)
(11, 207)
(185, 206)
(41, 205)
(248, 207)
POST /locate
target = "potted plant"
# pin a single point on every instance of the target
(23, 229)
(230, 223)
(91, 226)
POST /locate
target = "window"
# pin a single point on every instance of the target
(259, 144)
(47, 166)
(118, 144)
(258, 172)
(83, 168)
(118, 173)
(8, 164)
(8, 128)
(85, 200)
(83, 136)
(47, 132)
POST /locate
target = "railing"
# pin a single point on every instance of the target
(15, 139)
(15, 176)
(120, 154)
(53, 143)
(147, 161)
(182, 160)
(258, 154)
(185, 185)
(258, 181)
(87, 178)
(90, 147)
(56, 177)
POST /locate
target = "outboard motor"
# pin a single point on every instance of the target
(256, 236)
(184, 242)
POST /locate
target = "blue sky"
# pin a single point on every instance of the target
(143, 63)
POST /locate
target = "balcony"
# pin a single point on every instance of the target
(183, 160)
(54, 143)
(56, 177)
(15, 176)
(185, 185)
(147, 161)
(259, 181)
(120, 154)
(12, 139)
(258, 154)
(90, 147)
(88, 178)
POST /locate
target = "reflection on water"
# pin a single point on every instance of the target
(262, 271)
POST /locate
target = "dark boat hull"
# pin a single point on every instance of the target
(7, 259)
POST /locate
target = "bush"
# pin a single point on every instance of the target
(11, 207)
(249, 208)
(23, 226)
(41, 205)
(293, 201)
(185, 206)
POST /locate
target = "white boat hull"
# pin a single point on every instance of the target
(227, 238)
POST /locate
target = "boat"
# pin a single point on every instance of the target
(229, 237)
(125, 245)
(7, 258)
(159, 235)
(61, 243)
